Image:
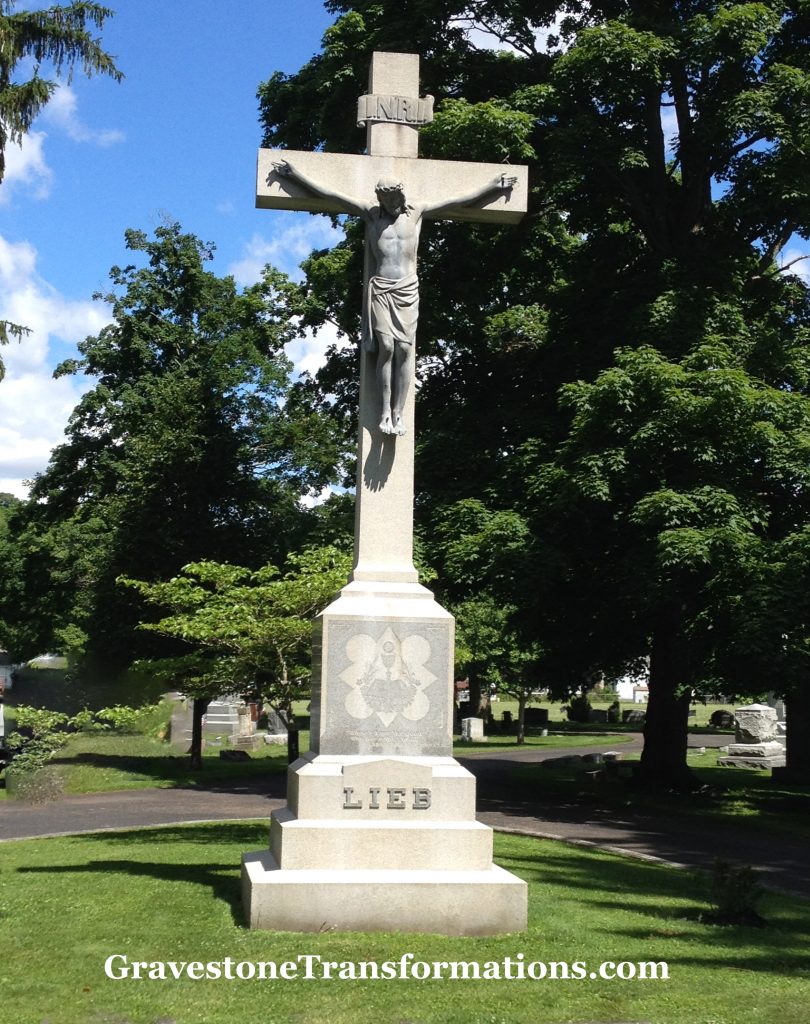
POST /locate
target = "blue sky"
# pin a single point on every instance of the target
(176, 140)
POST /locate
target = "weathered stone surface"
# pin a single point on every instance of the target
(758, 763)
(472, 730)
(275, 739)
(383, 675)
(430, 180)
(569, 761)
(317, 787)
(770, 749)
(755, 723)
(363, 845)
(634, 717)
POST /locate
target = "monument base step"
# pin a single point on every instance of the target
(314, 844)
(752, 762)
(489, 902)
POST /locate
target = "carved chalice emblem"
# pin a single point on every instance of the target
(387, 677)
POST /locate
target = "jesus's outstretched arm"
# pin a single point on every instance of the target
(352, 205)
(503, 183)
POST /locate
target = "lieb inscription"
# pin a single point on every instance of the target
(396, 798)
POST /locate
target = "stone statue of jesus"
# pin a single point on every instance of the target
(392, 294)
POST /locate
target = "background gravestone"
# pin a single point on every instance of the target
(756, 745)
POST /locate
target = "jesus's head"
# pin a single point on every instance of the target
(391, 195)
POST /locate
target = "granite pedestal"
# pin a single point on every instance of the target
(379, 833)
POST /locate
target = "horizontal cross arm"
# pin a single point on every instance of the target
(431, 182)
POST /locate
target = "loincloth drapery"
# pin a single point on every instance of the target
(392, 307)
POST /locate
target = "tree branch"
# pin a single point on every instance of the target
(780, 270)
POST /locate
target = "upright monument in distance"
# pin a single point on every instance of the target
(380, 833)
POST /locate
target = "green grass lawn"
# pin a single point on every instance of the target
(537, 742)
(93, 762)
(101, 762)
(96, 762)
(732, 796)
(173, 894)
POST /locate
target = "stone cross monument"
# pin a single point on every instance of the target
(380, 831)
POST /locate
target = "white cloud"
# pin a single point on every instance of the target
(308, 354)
(800, 269)
(311, 500)
(285, 250)
(26, 166)
(62, 112)
(34, 408)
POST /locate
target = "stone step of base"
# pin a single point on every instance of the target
(382, 845)
(490, 902)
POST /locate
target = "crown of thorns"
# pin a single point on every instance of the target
(389, 185)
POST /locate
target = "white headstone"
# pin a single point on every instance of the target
(472, 730)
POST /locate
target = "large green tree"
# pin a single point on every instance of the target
(180, 451)
(628, 367)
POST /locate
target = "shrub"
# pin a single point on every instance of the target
(579, 709)
(734, 891)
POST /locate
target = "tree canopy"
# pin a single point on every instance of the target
(180, 451)
(249, 632)
(625, 371)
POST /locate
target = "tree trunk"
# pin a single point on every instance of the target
(663, 760)
(292, 743)
(199, 708)
(521, 722)
(797, 739)
(292, 733)
(479, 697)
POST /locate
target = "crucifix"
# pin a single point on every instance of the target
(379, 831)
(393, 191)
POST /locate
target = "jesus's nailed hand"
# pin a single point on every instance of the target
(283, 168)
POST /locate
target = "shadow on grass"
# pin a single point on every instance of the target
(209, 876)
(673, 902)
(208, 834)
(755, 808)
(177, 769)
(216, 877)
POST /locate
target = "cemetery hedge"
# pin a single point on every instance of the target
(173, 894)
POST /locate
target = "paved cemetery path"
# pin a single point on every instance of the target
(784, 862)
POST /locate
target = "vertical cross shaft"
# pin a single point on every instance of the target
(383, 531)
